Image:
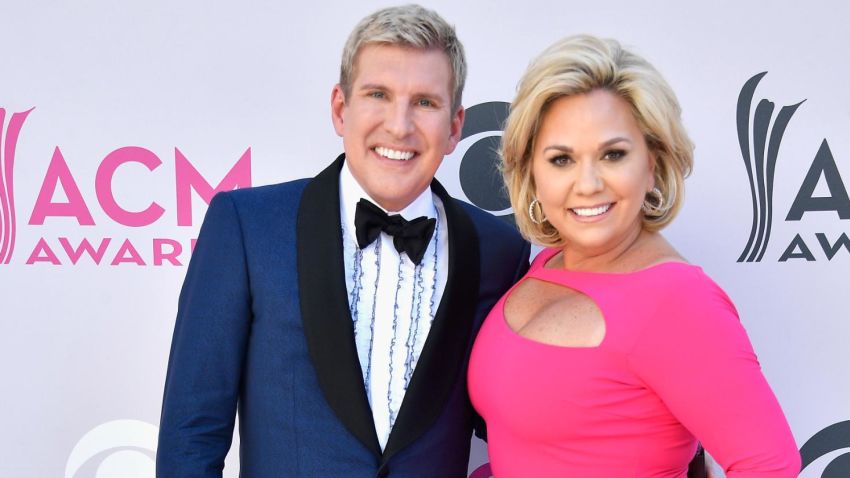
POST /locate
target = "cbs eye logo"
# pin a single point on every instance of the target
(480, 178)
(825, 442)
(116, 449)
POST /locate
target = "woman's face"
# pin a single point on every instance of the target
(592, 169)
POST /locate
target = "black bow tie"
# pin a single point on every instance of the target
(411, 237)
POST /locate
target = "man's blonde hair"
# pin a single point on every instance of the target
(409, 26)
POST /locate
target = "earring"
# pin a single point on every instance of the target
(653, 205)
(532, 208)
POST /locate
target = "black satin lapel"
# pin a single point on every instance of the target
(324, 306)
(444, 354)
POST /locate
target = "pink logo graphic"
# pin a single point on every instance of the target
(8, 142)
(188, 182)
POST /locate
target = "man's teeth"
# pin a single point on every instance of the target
(591, 211)
(393, 154)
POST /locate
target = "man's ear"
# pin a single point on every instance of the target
(338, 109)
(455, 129)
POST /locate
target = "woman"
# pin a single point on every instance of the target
(613, 356)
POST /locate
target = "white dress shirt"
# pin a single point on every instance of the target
(392, 301)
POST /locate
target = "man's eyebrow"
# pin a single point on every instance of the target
(417, 94)
(371, 86)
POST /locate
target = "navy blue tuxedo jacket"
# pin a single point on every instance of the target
(263, 326)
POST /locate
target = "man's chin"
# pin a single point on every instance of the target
(396, 199)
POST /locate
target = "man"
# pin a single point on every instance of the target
(339, 330)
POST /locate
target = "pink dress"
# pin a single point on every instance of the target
(675, 366)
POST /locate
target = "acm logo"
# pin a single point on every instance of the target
(759, 137)
(95, 248)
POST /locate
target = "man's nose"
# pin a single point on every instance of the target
(399, 120)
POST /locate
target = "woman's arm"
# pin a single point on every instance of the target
(697, 357)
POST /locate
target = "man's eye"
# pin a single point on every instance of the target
(426, 103)
(377, 94)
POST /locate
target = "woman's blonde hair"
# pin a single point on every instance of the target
(578, 65)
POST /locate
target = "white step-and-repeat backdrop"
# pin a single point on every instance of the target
(120, 119)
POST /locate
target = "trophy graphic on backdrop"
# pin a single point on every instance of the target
(8, 142)
(760, 161)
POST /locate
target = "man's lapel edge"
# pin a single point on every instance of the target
(437, 371)
(325, 314)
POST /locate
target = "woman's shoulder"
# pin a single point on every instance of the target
(681, 285)
(543, 257)
(691, 281)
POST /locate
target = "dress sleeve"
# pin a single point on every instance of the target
(695, 354)
(207, 351)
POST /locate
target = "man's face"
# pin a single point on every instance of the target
(396, 123)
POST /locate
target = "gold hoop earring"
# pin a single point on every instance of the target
(535, 205)
(653, 204)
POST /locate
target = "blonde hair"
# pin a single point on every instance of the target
(578, 65)
(409, 26)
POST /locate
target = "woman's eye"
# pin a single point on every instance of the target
(560, 160)
(614, 155)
